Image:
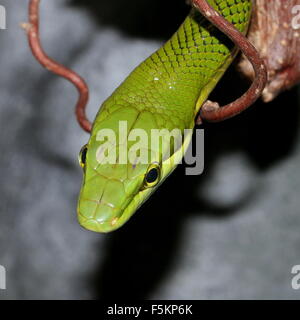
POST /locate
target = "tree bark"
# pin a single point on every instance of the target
(275, 32)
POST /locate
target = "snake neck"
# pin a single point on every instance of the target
(173, 82)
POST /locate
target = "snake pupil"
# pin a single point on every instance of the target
(82, 158)
(152, 175)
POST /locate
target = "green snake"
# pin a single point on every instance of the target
(166, 91)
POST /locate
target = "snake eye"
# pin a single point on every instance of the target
(152, 176)
(82, 156)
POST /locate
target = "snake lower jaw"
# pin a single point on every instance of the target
(100, 226)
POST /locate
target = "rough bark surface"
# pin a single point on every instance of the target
(274, 33)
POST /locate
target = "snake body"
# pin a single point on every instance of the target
(165, 92)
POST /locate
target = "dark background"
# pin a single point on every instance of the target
(231, 233)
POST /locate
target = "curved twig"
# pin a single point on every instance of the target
(211, 111)
(32, 29)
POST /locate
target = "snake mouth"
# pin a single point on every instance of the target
(106, 218)
(102, 223)
(99, 226)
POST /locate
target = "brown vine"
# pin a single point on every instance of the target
(32, 29)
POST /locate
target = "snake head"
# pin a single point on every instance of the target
(111, 193)
(121, 169)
